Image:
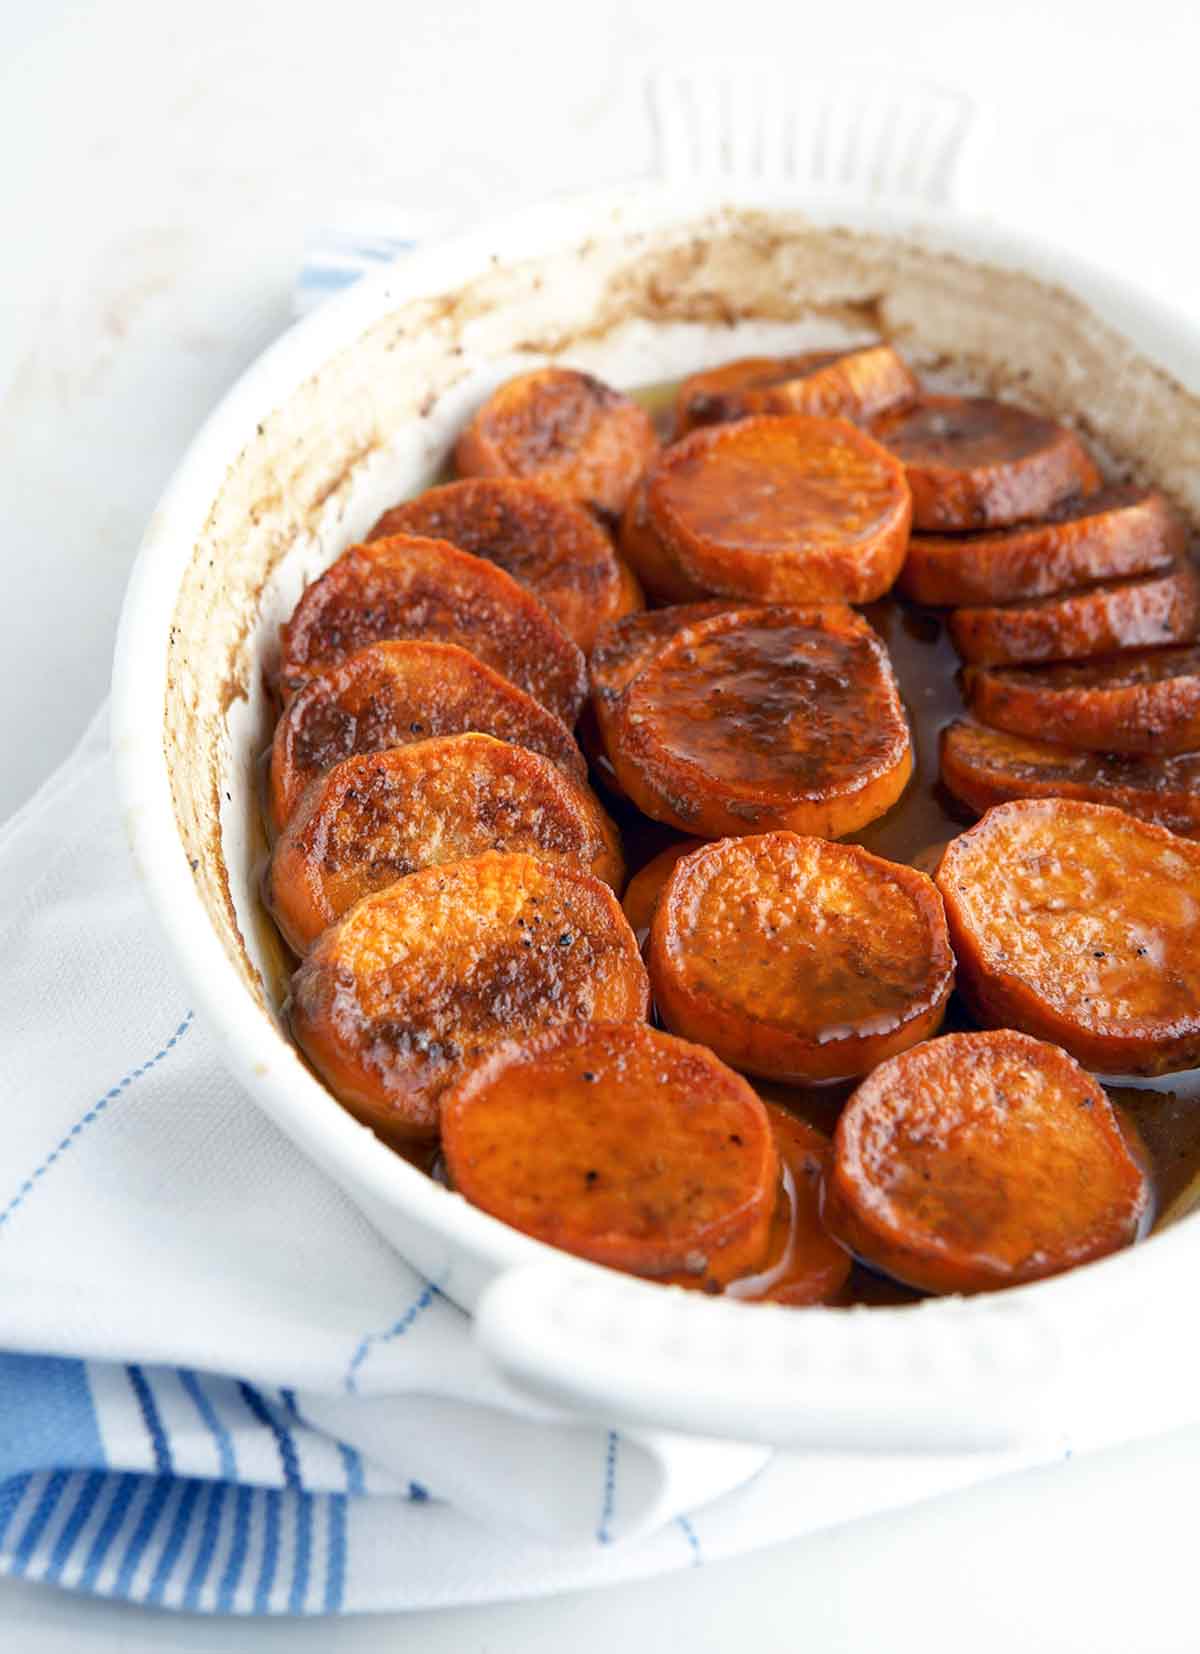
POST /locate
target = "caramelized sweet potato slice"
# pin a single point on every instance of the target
(645, 887)
(1111, 535)
(979, 1161)
(547, 542)
(799, 959)
(805, 1265)
(760, 719)
(391, 694)
(564, 428)
(406, 587)
(657, 568)
(984, 766)
(423, 979)
(379, 816)
(974, 463)
(619, 1144)
(624, 646)
(772, 510)
(1126, 614)
(1142, 701)
(847, 384)
(1077, 923)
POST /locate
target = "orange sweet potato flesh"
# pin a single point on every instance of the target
(423, 979)
(645, 887)
(624, 646)
(761, 719)
(846, 384)
(545, 541)
(619, 1144)
(772, 510)
(805, 1265)
(1111, 535)
(1141, 701)
(975, 463)
(391, 694)
(983, 766)
(407, 587)
(797, 959)
(563, 428)
(1077, 923)
(982, 1160)
(1126, 614)
(379, 816)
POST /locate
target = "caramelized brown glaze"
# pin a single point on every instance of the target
(804, 1264)
(799, 959)
(1126, 614)
(848, 384)
(1143, 701)
(619, 1144)
(391, 694)
(379, 816)
(1110, 535)
(406, 587)
(761, 719)
(984, 766)
(421, 980)
(624, 646)
(563, 428)
(982, 1160)
(547, 542)
(1079, 923)
(975, 463)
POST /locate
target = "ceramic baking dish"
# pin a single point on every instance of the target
(357, 407)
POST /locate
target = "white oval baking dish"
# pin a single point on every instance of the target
(356, 407)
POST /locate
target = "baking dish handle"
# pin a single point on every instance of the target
(854, 133)
(946, 1375)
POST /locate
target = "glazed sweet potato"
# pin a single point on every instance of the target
(761, 719)
(979, 1161)
(379, 816)
(771, 510)
(645, 887)
(421, 980)
(984, 766)
(1077, 923)
(1110, 535)
(563, 428)
(846, 384)
(624, 646)
(805, 1265)
(1142, 701)
(619, 1144)
(974, 463)
(547, 542)
(799, 959)
(1126, 614)
(391, 694)
(406, 587)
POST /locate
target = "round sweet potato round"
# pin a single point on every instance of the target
(799, 959)
(624, 646)
(982, 1160)
(845, 384)
(805, 1265)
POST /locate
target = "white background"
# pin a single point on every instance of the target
(160, 168)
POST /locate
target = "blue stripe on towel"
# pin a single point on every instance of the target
(47, 1419)
(152, 1420)
(37, 1524)
(124, 1487)
(609, 1498)
(693, 1539)
(147, 1522)
(208, 1543)
(335, 1561)
(353, 1466)
(212, 1419)
(181, 1526)
(303, 1557)
(75, 1524)
(239, 1547)
(397, 1330)
(11, 1494)
(270, 1551)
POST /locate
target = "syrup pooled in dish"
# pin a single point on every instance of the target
(471, 988)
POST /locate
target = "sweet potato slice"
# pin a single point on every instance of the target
(771, 510)
(564, 428)
(799, 959)
(979, 1161)
(984, 766)
(975, 463)
(379, 816)
(645, 887)
(847, 384)
(619, 1144)
(547, 542)
(421, 980)
(391, 694)
(1077, 923)
(805, 1265)
(407, 587)
(761, 719)
(624, 646)
(1111, 535)
(1125, 614)
(1142, 701)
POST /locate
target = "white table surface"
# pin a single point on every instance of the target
(160, 167)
